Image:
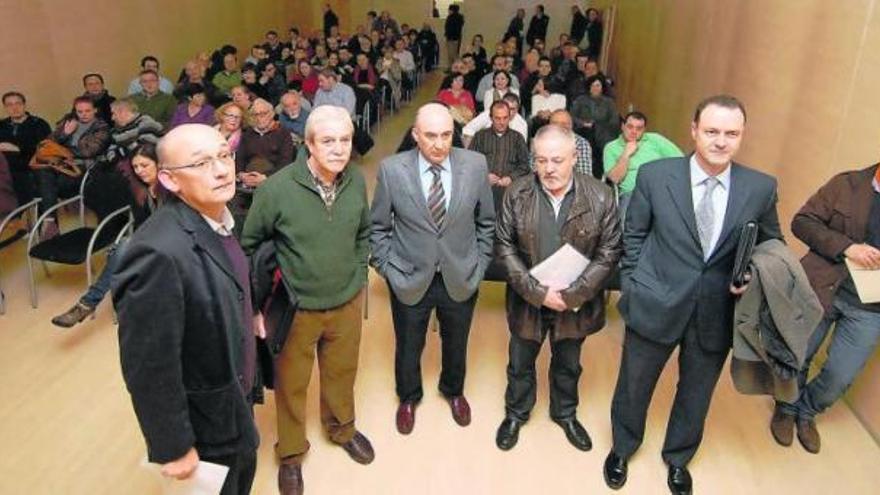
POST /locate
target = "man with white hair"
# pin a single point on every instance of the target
(182, 294)
(315, 213)
(541, 213)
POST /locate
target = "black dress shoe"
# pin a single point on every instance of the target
(576, 434)
(615, 471)
(508, 434)
(679, 481)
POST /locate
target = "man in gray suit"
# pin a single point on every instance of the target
(680, 238)
(433, 225)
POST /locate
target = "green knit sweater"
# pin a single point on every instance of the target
(322, 251)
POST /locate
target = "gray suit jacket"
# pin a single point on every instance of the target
(664, 280)
(408, 248)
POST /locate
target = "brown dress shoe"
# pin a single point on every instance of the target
(359, 449)
(290, 481)
(782, 427)
(72, 316)
(808, 435)
(461, 410)
(406, 417)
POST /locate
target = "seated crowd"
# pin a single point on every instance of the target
(260, 107)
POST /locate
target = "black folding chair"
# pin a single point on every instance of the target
(105, 192)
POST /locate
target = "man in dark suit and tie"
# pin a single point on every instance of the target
(680, 238)
(433, 226)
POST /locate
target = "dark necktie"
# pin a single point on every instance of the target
(437, 198)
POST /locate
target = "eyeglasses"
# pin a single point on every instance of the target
(264, 113)
(231, 116)
(224, 157)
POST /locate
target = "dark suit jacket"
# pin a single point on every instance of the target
(179, 304)
(664, 280)
(831, 220)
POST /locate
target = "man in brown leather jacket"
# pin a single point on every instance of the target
(840, 223)
(541, 213)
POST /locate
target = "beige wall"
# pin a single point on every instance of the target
(49, 44)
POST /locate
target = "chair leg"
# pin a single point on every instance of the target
(33, 283)
(2, 302)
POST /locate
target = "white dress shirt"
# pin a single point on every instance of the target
(719, 197)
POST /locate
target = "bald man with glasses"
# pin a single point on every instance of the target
(186, 326)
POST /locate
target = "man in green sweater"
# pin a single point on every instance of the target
(634, 147)
(316, 213)
(158, 105)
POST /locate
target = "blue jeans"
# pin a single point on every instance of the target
(101, 286)
(855, 336)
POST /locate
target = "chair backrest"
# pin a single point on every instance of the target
(105, 191)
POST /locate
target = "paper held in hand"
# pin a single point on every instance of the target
(867, 282)
(207, 479)
(561, 268)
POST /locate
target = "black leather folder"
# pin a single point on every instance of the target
(744, 249)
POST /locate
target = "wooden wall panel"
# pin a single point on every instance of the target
(49, 44)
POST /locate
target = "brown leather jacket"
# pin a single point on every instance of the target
(831, 220)
(592, 227)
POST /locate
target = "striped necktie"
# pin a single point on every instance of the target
(437, 198)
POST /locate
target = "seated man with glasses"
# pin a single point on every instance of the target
(265, 148)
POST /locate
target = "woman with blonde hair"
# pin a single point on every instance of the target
(230, 121)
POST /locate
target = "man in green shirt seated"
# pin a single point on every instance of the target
(153, 102)
(632, 149)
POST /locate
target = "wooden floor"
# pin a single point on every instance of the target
(67, 427)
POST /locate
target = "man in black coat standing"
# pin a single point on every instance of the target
(515, 29)
(578, 25)
(452, 31)
(182, 294)
(330, 20)
(537, 27)
(679, 243)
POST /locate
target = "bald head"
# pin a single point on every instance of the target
(562, 119)
(432, 113)
(196, 165)
(433, 131)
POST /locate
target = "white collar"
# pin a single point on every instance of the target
(698, 175)
(224, 226)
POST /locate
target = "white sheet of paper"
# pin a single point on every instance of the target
(561, 268)
(867, 282)
(207, 480)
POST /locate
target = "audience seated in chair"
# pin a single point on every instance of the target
(85, 137)
(150, 62)
(20, 132)
(152, 101)
(94, 88)
(145, 165)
